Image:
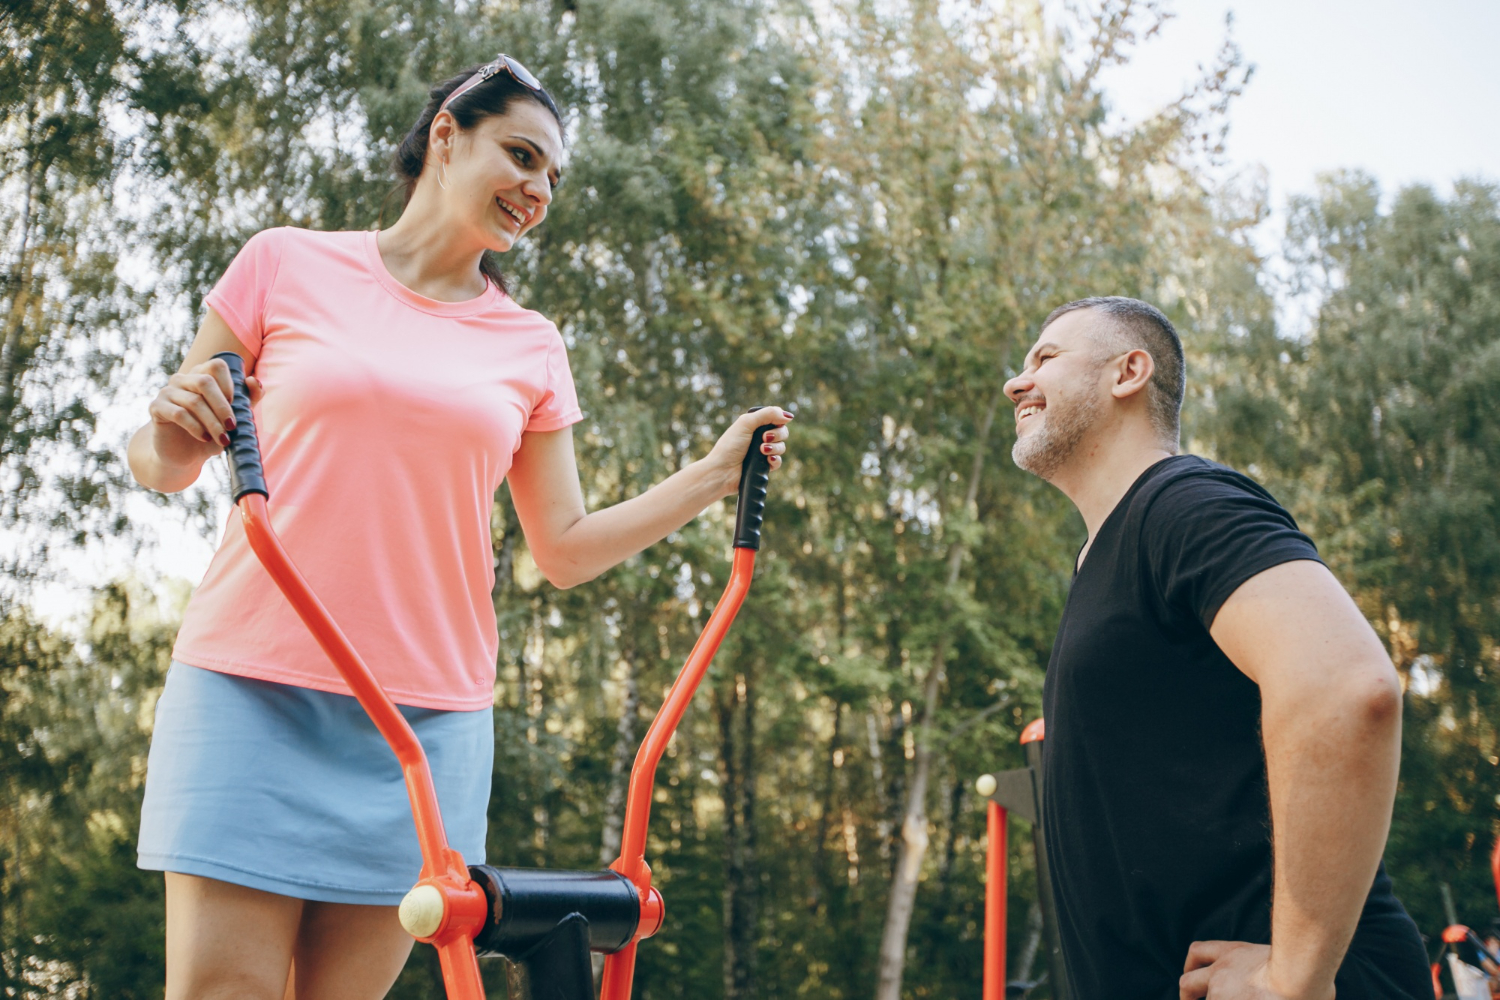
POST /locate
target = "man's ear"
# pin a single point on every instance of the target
(1133, 371)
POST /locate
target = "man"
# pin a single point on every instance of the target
(1214, 701)
(1491, 968)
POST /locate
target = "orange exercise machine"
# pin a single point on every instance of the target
(1019, 791)
(546, 922)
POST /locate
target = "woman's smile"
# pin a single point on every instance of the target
(520, 216)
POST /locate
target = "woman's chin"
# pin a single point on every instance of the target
(501, 241)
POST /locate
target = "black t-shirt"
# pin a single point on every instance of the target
(1155, 805)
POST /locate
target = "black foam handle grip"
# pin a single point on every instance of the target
(245, 472)
(755, 479)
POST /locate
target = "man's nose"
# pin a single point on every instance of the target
(1018, 387)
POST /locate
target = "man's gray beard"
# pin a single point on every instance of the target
(1048, 448)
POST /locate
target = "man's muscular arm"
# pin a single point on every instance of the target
(1331, 724)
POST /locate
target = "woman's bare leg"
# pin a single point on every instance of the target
(346, 951)
(227, 942)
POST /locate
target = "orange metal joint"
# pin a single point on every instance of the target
(653, 915)
(443, 909)
(1037, 730)
(1455, 934)
(467, 907)
(638, 872)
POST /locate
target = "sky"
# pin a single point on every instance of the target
(1399, 89)
(1406, 91)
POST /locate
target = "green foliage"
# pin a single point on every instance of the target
(62, 303)
(1400, 401)
(76, 720)
(861, 212)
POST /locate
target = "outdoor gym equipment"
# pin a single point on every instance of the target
(545, 922)
(1456, 934)
(1019, 791)
(1469, 981)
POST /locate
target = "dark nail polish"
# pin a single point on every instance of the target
(766, 449)
(224, 440)
(229, 424)
(790, 415)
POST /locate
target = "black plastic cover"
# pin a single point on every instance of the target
(558, 968)
(755, 480)
(1016, 790)
(527, 904)
(245, 472)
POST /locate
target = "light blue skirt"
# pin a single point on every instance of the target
(294, 791)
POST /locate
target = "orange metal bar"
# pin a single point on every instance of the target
(619, 968)
(460, 968)
(996, 873)
(1495, 867)
(619, 974)
(442, 866)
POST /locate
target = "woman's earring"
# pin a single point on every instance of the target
(443, 176)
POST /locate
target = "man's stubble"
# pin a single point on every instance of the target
(1048, 448)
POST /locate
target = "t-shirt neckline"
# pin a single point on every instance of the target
(490, 298)
(1147, 473)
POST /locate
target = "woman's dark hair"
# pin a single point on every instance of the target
(492, 97)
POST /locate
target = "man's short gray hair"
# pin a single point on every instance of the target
(1135, 324)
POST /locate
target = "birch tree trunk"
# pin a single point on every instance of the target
(619, 767)
(914, 840)
(741, 870)
(17, 279)
(619, 778)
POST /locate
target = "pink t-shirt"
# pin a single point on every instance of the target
(388, 421)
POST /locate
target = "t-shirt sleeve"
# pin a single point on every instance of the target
(558, 406)
(245, 288)
(1205, 536)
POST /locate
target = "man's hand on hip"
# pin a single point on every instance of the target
(1231, 970)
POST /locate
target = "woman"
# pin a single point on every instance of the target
(395, 386)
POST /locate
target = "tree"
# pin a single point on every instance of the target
(62, 304)
(75, 909)
(1398, 399)
(984, 189)
(862, 211)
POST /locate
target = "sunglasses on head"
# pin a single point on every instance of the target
(503, 63)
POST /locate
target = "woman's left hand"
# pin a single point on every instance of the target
(729, 451)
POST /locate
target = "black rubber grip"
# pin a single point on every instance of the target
(245, 472)
(755, 479)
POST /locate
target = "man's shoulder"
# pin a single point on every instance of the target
(1186, 484)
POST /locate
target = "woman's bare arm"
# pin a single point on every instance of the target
(572, 546)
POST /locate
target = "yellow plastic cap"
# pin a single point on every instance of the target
(421, 911)
(985, 786)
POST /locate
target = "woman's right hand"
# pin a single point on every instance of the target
(191, 417)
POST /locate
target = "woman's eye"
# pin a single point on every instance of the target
(523, 156)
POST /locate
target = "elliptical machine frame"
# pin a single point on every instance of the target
(545, 922)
